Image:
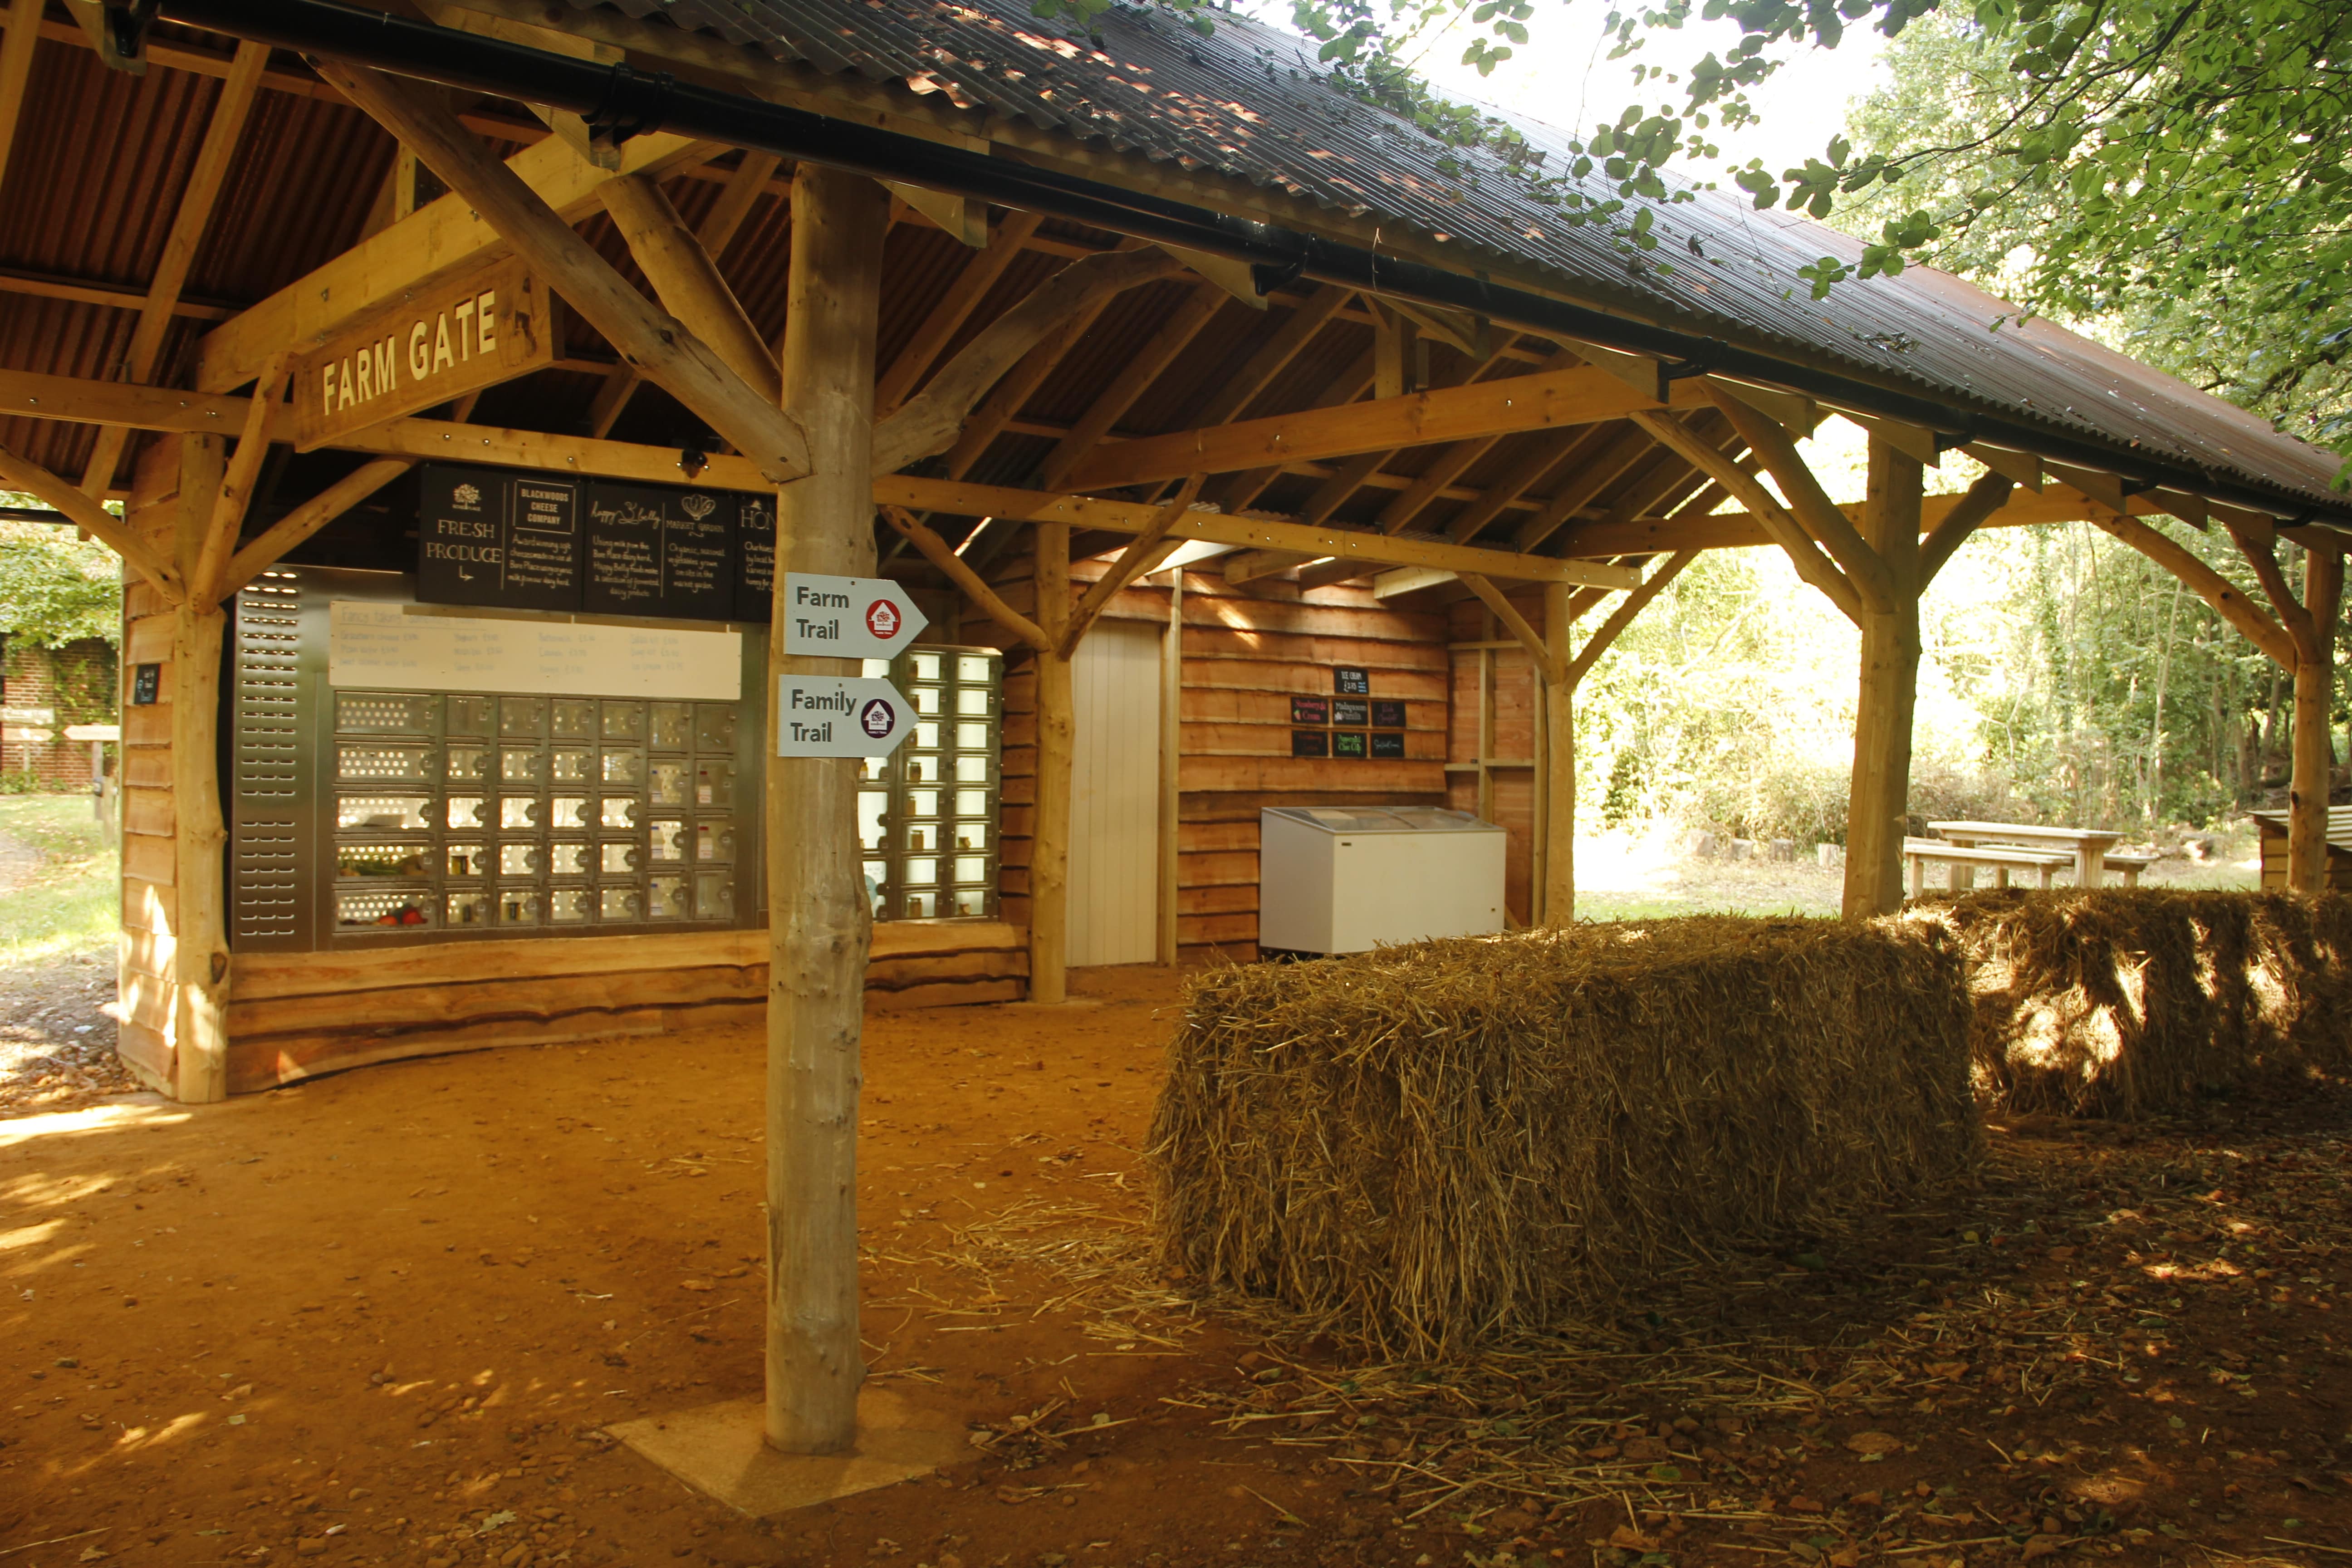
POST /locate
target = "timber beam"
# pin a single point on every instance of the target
(1546, 402)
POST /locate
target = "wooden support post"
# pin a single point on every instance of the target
(2314, 747)
(1049, 845)
(1171, 749)
(1558, 782)
(1879, 799)
(819, 923)
(200, 963)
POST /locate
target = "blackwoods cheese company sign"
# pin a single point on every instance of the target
(489, 325)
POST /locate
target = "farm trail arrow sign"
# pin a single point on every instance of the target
(848, 617)
(839, 716)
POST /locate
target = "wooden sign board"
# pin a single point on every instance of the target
(485, 326)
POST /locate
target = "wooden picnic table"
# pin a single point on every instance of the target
(2089, 846)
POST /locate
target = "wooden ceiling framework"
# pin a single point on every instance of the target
(1335, 437)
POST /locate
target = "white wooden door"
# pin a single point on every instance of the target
(1115, 795)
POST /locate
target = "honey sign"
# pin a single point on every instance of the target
(487, 325)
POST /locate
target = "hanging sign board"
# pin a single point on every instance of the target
(839, 716)
(485, 326)
(848, 617)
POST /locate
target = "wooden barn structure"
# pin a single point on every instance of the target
(471, 373)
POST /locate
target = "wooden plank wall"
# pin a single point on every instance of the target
(145, 989)
(299, 1014)
(1509, 697)
(1247, 652)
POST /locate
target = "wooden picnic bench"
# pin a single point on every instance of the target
(2129, 866)
(1962, 860)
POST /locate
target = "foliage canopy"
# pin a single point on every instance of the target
(55, 589)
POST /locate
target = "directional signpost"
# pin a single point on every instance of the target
(848, 617)
(839, 716)
(843, 617)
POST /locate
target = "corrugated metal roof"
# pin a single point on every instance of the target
(1251, 103)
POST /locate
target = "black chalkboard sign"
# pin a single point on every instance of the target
(755, 551)
(534, 541)
(488, 538)
(1351, 683)
(1310, 710)
(1351, 710)
(1347, 743)
(698, 556)
(1310, 743)
(1387, 745)
(624, 550)
(543, 542)
(146, 684)
(1389, 714)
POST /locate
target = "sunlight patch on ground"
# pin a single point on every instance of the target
(131, 1111)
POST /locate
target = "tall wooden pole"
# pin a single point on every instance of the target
(1560, 760)
(819, 924)
(1879, 801)
(1049, 845)
(2314, 748)
(200, 958)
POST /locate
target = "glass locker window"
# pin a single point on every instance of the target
(937, 793)
(470, 813)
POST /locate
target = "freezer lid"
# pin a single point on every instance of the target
(1383, 818)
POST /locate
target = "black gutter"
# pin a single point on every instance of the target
(626, 102)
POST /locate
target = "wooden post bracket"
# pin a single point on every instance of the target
(102, 525)
(658, 344)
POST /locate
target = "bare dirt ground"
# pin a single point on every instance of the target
(387, 1317)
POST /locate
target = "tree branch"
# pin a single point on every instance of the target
(1820, 516)
(103, 525)
(2264, 559)
(303, 522)
(1622, 615)
(941, 555)
(1548, 663)
(1985, 497)
(2205, 583)
(1803, 553)
(931, 421)
(1132, 562)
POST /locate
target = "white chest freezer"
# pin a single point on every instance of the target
(1335, 878)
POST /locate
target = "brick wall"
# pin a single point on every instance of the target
(77, 684)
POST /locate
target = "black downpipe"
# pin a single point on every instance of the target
(623, 102)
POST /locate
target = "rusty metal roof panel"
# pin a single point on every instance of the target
(1251, 103)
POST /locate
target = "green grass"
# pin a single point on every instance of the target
(71, 903)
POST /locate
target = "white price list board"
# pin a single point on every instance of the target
(416, 646)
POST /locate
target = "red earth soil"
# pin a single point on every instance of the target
(387, 1318)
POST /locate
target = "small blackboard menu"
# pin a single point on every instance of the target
(489, 538)
(1310, 743)
(755, 548)
(146, 685)
(1389, 714)
(1351, 683)
(1351, 710)
(1347, 743)
(1310, 710)
(1387, 745)
(493, 536)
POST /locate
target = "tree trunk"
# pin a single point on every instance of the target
(1049, 846)
(820, 924)
(2314, 746)
(1559, 762)
(1879, 802)
(199, 846)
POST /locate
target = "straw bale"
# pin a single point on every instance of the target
(1427, 1144)
(2131, 1002)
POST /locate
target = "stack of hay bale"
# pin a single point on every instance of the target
(1425, 1144)
(2126, 1003)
